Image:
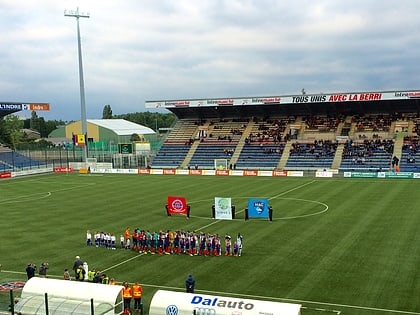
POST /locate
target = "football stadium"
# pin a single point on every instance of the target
(286, 204)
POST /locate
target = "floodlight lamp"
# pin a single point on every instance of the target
(76, 13)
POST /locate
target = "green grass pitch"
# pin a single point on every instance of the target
(336, 246)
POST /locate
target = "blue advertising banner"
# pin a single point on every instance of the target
(258, 208)
(10, 106)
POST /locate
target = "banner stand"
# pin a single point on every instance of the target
(168, 213)
(177, 205)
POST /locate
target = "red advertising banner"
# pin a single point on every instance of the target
(6, 175)
(222, 173)
(250, 173)
(169, 172)
(196, 172)
(279, 173)
(143, 171)
(63, 169)
(177, 205)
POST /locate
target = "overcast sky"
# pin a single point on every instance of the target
(138, 50)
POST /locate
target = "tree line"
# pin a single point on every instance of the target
(12, 128)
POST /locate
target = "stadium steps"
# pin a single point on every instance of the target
(190, 154)
(338, 157)
(285, 155)
(398, 145)
(241, 143)
(192, 150)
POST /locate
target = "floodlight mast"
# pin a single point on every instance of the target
(78, 15)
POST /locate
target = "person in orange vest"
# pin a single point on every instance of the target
(137, 293)
(127, 293)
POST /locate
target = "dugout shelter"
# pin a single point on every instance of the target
(69, 297)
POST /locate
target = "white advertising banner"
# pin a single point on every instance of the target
(169, 302)
(288, 99)
(223, 208)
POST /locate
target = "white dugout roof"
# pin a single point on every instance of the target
(69, 297)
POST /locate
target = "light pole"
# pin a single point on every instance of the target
(78, 15)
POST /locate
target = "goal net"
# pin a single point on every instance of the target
(220, 164)
(91, 162)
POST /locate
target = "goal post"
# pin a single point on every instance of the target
(91, 162)
(220, 164)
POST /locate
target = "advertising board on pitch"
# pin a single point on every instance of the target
(178, 303)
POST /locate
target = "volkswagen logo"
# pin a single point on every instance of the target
(172, 310)
(204, 311)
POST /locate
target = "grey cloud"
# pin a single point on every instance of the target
(140, 50)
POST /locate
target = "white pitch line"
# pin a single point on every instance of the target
(325, 310)
(207, 225)
(26, 198)
(123, 262)
(314, 302)
(293, 189)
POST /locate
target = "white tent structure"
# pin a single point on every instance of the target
(122, 127)
(68, 297)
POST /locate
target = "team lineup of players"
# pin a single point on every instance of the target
(169, 242)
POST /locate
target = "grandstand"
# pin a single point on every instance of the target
(12, 160)
(357, 131)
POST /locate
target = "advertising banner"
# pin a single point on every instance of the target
(177, 205)
(362, 174)
(179, 303)
(63, 169)
(125, 148)
(223, 208)
(258, 208)
(6, 175)
(399, 175)
(379, 96)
